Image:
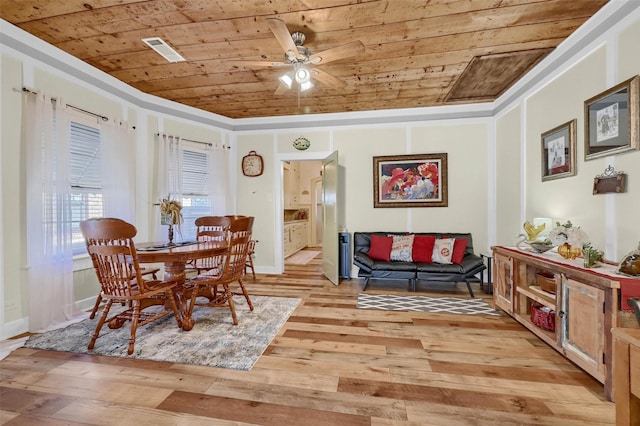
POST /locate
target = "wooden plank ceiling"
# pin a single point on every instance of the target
(417, 53)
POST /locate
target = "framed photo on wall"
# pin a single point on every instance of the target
(410, 180)
(559, 151)
(611, 120)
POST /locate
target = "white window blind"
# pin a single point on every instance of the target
(195, 193)
(85, 175)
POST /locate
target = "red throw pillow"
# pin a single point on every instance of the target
(423, 248)
(459, 247)
(380, 247)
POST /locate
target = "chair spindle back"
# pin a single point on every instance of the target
(113, 253)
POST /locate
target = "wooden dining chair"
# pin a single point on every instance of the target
(230, 270)
(209, 228)
(245, 225)
(153, 272)
(143, 271)
(251, 253)
(112, 250)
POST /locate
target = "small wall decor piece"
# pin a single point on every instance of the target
(611, 120)
(559, 151)
(609, 181)
(410, 180)
(301, 143)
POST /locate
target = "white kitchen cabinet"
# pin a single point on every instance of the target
(291, 185)
(295, 237)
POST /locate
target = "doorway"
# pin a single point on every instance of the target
(316, 212)
(302, 200)
(328, 171)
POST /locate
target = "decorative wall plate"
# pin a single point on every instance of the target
(301, 143)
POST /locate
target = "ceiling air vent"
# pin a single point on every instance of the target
(163, 49)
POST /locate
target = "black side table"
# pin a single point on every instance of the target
(489, 262)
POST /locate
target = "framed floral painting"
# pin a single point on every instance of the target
(418, 180)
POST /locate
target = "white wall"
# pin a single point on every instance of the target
(508, 159)
(611, 220)
(465, 142)
(559, 102)
(260, 197)
(13, 264)
(622, 220)
(308, 171)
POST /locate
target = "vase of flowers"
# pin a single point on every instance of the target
(569, 239)
(170, 214)
(591, 255)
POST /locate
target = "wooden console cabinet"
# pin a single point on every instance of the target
(626, 379)
(585, 305)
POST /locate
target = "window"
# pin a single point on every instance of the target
(85, 176)
(195, 187)
(198, 171)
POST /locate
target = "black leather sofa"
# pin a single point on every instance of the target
(466, 271)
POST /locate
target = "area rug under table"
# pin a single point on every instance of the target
(442, 305)
(214, 341)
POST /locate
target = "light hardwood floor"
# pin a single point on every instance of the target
(331, 364)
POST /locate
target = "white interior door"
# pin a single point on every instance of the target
(330, 254)
(316, 212)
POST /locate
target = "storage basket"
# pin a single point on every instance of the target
(547, 282)
(543, 317)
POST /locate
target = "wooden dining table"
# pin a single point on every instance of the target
(175, 258)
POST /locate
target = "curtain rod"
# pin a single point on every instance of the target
(191, 140)
(24, 89)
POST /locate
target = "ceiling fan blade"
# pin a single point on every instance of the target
(243, 63)
(327, 79)
(336, 53)
(280, 30)
(281, 90)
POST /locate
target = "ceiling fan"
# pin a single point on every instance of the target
(299, 59)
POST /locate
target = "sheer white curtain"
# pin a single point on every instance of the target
(218, 179)
(49, 239)
(168, 176)
(170, 170)
(117, 170)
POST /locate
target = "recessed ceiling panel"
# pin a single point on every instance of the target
(488, 76)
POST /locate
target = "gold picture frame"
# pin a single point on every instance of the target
(559, 151)
(611, 120)
(410, 180)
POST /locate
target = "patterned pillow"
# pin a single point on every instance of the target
(443, 250)
(402, 248)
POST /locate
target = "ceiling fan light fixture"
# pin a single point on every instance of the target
(302, 75)
(286, 80)
(306, 86)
